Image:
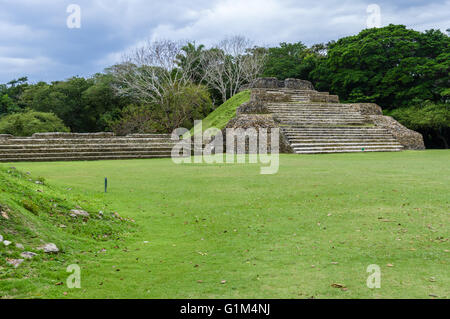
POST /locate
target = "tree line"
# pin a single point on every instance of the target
(165, 84)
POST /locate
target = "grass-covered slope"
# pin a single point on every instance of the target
(224, 113)
(33, 214)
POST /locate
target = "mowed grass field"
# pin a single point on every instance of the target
(225, 231)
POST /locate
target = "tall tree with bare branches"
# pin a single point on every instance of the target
(231, 64)
(151, 75)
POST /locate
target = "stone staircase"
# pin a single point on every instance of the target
(48, 147)
(315, 122)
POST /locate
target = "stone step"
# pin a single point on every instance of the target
(347, 148)
(346, 151)
(57, 135)
(318, 113)
(35, 150)
(167, 136)
(344, 144)
(331, 130)
(344, 129)
(87, 141)
(69, 147)
(79, 158)
(309, 106)
(315, 117)
(325, 123)
(338, 134)
(83, 154)
(318, 118)
(310, 119)
(338, 137)
(337, 128)
(306, 108)
(307, 112)
(341, 140)
(296, 129)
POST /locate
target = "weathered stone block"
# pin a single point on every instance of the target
(367, 108)
(274, 83)
(410, 139)
(267, 83)
(258, 121)
(253, 107)
(263, 96)
(298, 84)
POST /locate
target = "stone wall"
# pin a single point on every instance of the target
(410, 139)
(274, 83)
(253, 107)
(367, 108)
(297, 84)
(265, 95)
(258, 121)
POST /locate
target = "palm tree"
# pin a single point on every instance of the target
(190, 60)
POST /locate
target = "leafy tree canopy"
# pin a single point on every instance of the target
(392, 66)
(30, 122)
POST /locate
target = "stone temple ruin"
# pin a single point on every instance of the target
(309, 122)
(315, 122)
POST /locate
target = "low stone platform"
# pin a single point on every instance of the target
(78, 146)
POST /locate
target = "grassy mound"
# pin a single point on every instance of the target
(33, 214)
(224, 113)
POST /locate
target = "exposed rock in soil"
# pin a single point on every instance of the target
(78, 212)
(49, 248)
(28, 255)
(15, 262)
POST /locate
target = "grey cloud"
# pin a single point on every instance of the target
(35, 41)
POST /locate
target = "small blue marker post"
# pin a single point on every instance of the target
(106, 184)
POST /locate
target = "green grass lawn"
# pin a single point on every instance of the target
(322, 220)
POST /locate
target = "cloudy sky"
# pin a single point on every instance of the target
(35, 40)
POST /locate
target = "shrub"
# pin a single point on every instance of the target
(133, 119)
(30, 122)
